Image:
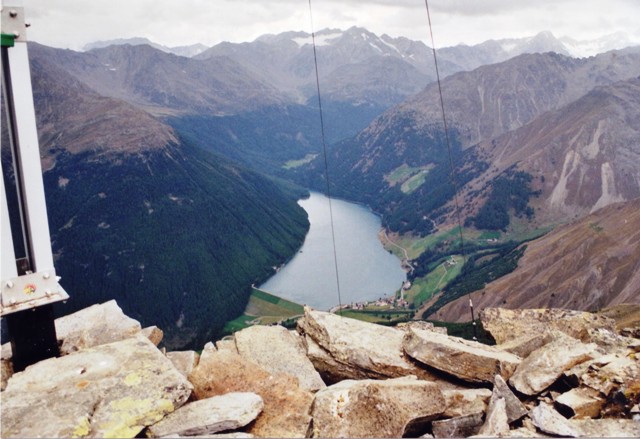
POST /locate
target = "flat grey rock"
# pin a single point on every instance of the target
(212, 415)
(112, 390)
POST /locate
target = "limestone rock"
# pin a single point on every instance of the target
(218, 413)
(614, 377)
(5, 352)
(331, 370)
(184, 361)
(93, 326)
(112, 390)
(463, 402)
(227, 344)
(286, 405)
(375, 408)
(609, 373)
(550, 421)
(154, 334)
(575, 374)
(375, 351)
(6, 371)
(608, 428)
(545, 365)
(6, 366)
(232, 434)
(630, 331)
(524, 345)
(524, 432)
(277, 351)
(496, 424)
(611, 342)
(468, 360)
(420, 324)
(580, 403)
(507, 324)
(514, 408)
(461, 426)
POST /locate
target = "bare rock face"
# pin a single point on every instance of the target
(550, 421)
(461, 426)
(524, 345)
(93, 326)
(154, 334)
(608, 386)
(496, 423)
(513, 407)
(468, 360)
(375, 408)
(365, 349)
(610, 373)
(6, 366)
(112, 390)
(184, 361)
(286, 405)
(330, 369)
(207, 416)
(545, 365)
(227, 344)
(276, 350)
(611, 342)
(580, 403)
(419, 324)
(463, 402)
(608, 427)
(508, 324)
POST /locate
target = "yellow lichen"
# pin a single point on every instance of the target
(82, 429)
(133, 379)
(128, 416)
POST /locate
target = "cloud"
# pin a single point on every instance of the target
(74, 23)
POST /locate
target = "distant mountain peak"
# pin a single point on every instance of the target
(542, 42)
(186, 51)
(606, 43)
(324, 37)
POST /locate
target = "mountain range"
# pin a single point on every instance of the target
(501, 117)
(172, 180)
(188, 51)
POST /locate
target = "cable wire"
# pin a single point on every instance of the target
(451, 163)
(326, 162)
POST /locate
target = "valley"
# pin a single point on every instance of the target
(172, 181)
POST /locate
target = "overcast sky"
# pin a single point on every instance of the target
(74, 23)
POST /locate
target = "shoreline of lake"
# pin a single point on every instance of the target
(366, 270)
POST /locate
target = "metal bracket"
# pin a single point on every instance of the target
(13, 23)
(29, 291)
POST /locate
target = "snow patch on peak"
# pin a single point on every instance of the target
(587, 48)
(391, 46)
(375, 47)
(322, 39)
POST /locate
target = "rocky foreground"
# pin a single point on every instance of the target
(553, 373)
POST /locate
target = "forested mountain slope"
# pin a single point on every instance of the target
(175, 234)
(585, 265)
